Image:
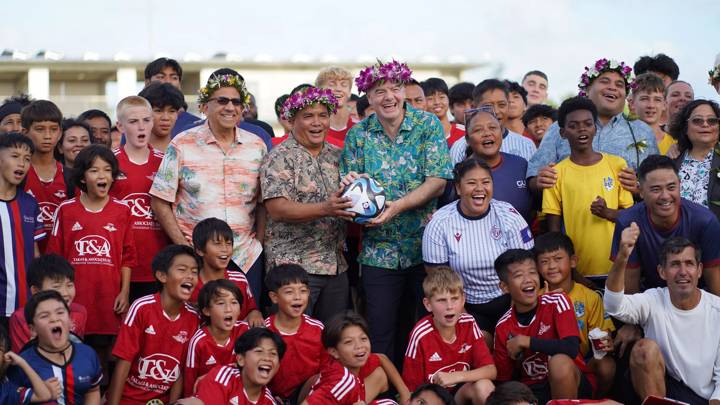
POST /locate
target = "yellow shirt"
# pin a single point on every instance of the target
(665, 143)
(590, 314)
(576, 188)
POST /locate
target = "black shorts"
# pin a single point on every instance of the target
(678, 391)
(487, 315)
(543, 395)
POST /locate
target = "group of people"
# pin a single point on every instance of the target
(523, 254)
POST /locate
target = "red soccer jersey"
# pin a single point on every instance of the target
(336, 385)
(303, 357)
(49, 196)
(154, 345)
(238, 278)
(204, 353)
(457, 131)
(427, 353)
(554, 319)
(20, 332)
(223, 385)
(97, 245)
(131, 188)
(337, 136)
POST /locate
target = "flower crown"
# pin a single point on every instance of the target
(215, 82)
(601, 66)
(714, 75)
(307, 97)
(380, 72)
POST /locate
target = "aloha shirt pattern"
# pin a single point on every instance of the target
(291, 172)
(695, 178)
(400, 166)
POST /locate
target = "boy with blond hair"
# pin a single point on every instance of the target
(447, 346)
(648, 102)
(339, 81)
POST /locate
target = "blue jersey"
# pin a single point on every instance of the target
(19, 229)
(696, 223)
(509, 184)
(79, 375)
(11, 393)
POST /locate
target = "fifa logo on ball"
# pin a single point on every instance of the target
(367, 198)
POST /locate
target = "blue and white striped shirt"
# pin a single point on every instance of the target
(471, 245)
(512, 143)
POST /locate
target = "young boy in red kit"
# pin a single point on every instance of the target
(46, 180)
(155, 333)
(447, 347)
(537, 341)
(219, 303)
(138, 163)
(93, 233)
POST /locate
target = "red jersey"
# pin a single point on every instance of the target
(97, 245)
(457, 131)
(554, 319)
(336, 385)
(204, 353)
(337, 136)
(131, 188)
(49, 196)
(238, 278)
(20, 331)
(427, 353)
(224, 385)
(303, 357)
(279, 139)
(154, 345)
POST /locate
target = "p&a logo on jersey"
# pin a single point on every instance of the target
(93, 245)
(159, 367)
(535, 366)
(139, 204)
(47, 212)
(608, 183)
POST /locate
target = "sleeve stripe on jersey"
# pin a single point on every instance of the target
(344, 386)
(267, 322)
(135, 307)
(558, 299)
(192, 346)
(40, 235)
(417, 334)
(385, 402)
(191, 308)
(56, 223)
(269, 396)
(313, 322)
(236, 276)
(505, 317)
(226, 374)
(467, 318)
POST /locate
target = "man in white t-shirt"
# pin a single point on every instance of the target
(679, 357)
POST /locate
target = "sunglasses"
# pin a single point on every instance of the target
(225, 100)
(699, 121)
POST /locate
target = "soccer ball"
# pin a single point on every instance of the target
(367, 197)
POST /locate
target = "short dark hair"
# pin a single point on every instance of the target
(488, 85)
(679, 123)
(468, 164)
(536, 73)
(354, 97)
(539, 110)
(552, 241)
(48, 266)
(160, 95)
(85, 159)
(36, 299)
(575, 104)
(675, 245)
(511, 392)
(362, 105)
(652, 163)
(440, 391)
(660, 63)
(515, 87)
(648, 82)
(209, 229)
(165, 257)
(251, 339)
(16, 140)
(22, 99)
(212, 290)
(434, 85)
(284, 274)
(279, 102)
(39, 111)
(94, 113)
(511, 256)
(335, 327)
(156, 66)
(460, 93)
(300, 87)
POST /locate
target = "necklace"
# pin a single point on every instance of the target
(63, 350)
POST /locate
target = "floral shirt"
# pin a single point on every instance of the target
(695, 178)
(202, 180)
(290, 171)
(399, 165)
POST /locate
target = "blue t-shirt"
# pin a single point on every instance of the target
(11, 393)
(695, 223)
(509, 184)
(81, 373)
(184, 121)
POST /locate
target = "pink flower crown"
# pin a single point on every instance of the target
(392, 71)
(601, 66)
(307, 97)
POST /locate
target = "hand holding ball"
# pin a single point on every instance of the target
(367, 197)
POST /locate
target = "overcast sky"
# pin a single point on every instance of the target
(559, 37)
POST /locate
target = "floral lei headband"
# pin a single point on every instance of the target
(228, 80)
(380, 72)
(714, 75)
(601, 66)
(307, 97)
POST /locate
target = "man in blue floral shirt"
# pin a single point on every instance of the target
(405, 151)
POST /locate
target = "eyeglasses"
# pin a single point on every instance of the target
(225, 100)
(484, 108)
(699, 121)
